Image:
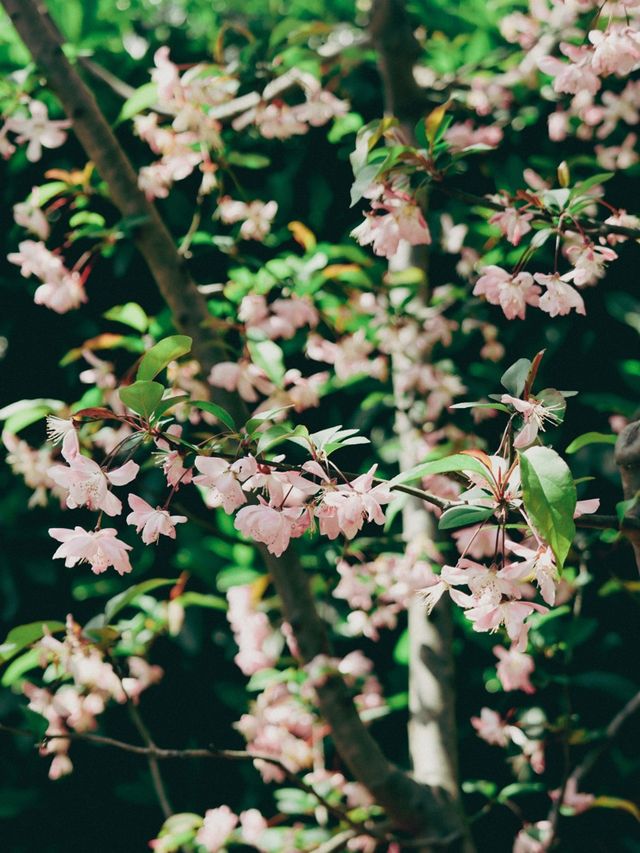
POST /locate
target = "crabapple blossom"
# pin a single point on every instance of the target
(256, 216)
(152, 523)
(29, 215)
(217, 827)
(589, 263)
(512, 292)
(244, 377)
(349, 355)
(616, 51)
(514, 669)
(491, 727)
(222, 480)
(572, 799)
(534, 838)
(38, 130)
(272, 526)
(534, 414)
(87, 484)
(396, 217)
(257, 642)
(344, 508)
(559, 297)
(99, 548)
(513, 223)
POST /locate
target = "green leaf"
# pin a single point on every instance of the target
(123, 599)
(401, 650)
(517, 788)
(130, 314)
(549, 495)
(142, 397)
(248, 161)
(515, 377)
(268, 355)
(462, 516)
(590, 438)
(500, 407)
(217, 411)
(160, 355)
(143, 98)
(199, 599)
(446, 465)
(24, 635)
(23, 663)
(23, 413)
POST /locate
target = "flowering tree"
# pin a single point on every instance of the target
(269, 418)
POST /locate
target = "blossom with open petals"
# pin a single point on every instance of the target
(87, 484)
(99, 548)
(512, 292)
(152, 523)
(514, 669)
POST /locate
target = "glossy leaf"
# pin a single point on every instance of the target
(549, 495)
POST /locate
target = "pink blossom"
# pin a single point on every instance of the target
(573, 76)
(534, 838)
(461, 135)
(534, 414)
(559, 298)
(100, 548)
(29, 215)
(350, 355)
(35, 259)
(511, 614)
(491, 727)
(514, 669)
(513, 223)
(578, 803)
(512, 293)
(266, 524)
(617, 51)
(256, 216)
(244, 377)
(172, 461)
(217, 827)
(86, 482)
(62, 294)
(538, 562)
(223, 479)
(38, 130)
(257, 642)
(319, 108)
(349, 505)
(589, 263)
(252, 827)
(152, 522)
(396, 217)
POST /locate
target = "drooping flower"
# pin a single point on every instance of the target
(395, 217)
(266, 524)
(559, 297)
(512, 293)
(514, 669)
(513, 223)
(99, 548)
(152, 523)
(86, 482)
